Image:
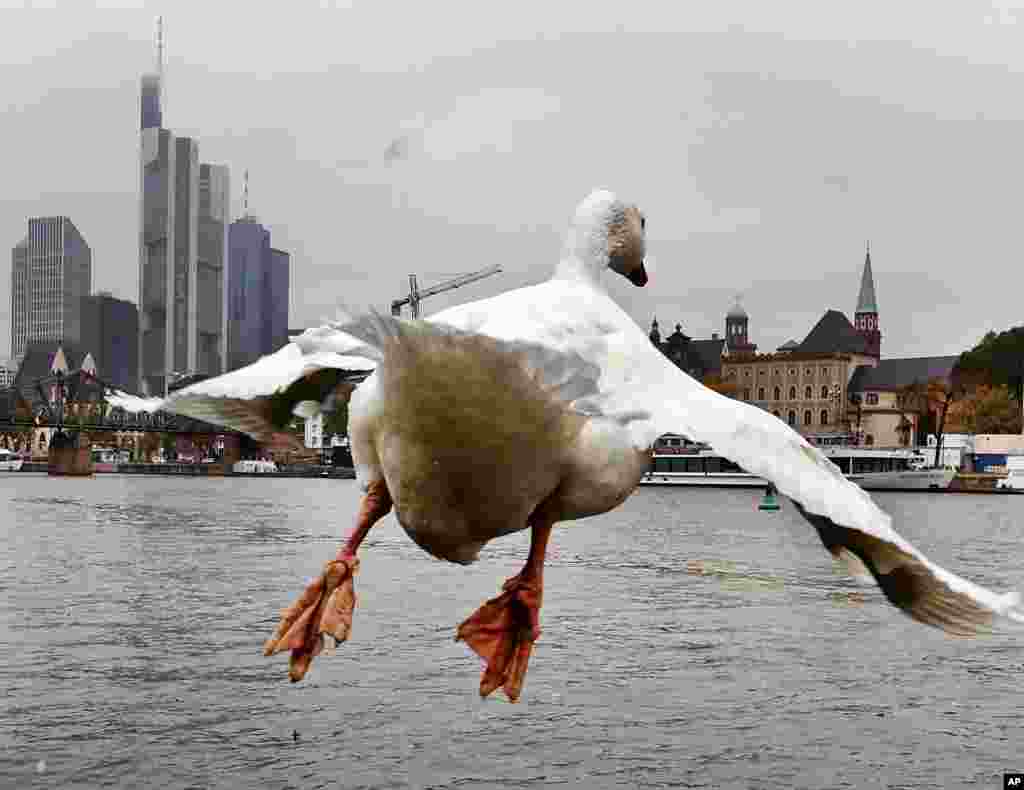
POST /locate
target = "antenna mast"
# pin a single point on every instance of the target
(160, 46)
(160, 62)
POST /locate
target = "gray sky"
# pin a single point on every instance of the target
(764, 141)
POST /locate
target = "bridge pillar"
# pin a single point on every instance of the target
(232, 450)
(70, 454)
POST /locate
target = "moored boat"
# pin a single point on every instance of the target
(677, 461)
(9, 461)
(254, 467)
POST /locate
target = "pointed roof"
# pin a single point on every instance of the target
(895, 374)
(866, 302)
(60, 362)
(834, 333)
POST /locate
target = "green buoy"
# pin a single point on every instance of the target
(768, 501)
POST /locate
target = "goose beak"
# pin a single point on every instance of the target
(638, 276)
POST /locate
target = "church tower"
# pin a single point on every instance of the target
(655, 334)
(737, 324)
(866, 315)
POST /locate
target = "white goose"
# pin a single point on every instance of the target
(440, 426)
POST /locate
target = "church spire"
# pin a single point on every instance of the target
(866, 302)
(865, 317)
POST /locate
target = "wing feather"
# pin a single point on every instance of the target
(843, 514)
(259, 399)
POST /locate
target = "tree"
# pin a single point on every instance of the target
(913, 399)
(987, 410)
(998, 359)
(336, 422)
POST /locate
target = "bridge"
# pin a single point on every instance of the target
(75, 401)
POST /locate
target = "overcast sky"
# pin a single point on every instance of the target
(766, 142)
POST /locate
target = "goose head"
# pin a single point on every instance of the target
(605, 233)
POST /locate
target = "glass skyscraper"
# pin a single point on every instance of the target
(184, 208)
(110, 333)
(258, 284)
(51, 271)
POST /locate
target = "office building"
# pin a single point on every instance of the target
(110, 333)
(51, 271)
(184, 208)
(258, 278)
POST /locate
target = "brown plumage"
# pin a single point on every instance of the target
(904, 579)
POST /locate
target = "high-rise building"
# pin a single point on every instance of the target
(276, 299)
(258, 277)
(212, 268)
(51, 270)
(184, 208)
(110, 333)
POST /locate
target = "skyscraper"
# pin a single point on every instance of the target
(110, 333)
(258, 277)
(51, 270)
(183, 208)
(276, 299)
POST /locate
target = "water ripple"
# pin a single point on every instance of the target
(688, 642)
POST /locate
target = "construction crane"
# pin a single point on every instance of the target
(415, 294)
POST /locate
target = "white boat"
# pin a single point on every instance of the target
(679, 462)
(9, 461)
(1014, 479)
(254, 467)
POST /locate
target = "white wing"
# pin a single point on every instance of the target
(242, 399)
(846, 518)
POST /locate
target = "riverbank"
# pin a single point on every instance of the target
(206, 470)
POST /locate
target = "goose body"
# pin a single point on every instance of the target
(537, 406)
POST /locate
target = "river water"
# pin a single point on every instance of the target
(689, 641)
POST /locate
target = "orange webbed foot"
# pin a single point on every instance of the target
(323, 612)
(502, 632)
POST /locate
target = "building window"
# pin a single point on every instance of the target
(826, 372)
(824, 393)
(776, 414)
(778, 394)
(808, 393)
(746, 373)
(869, 439)
(760, 393)
(792, 393)
(807, 417)
(872, 399)
(792, 371)
(746, 393)
(824, 416)
(809, 371)
(791, 417)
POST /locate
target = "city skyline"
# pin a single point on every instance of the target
(784, 142)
